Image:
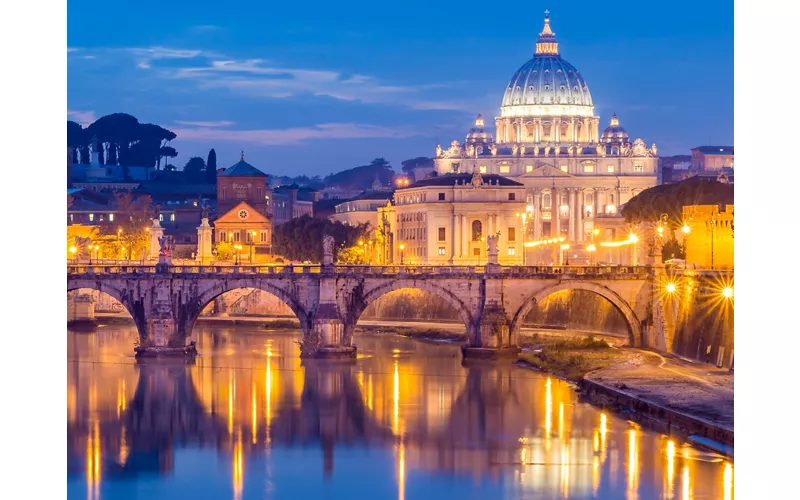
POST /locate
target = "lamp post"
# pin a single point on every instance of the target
(595, 232)
(402, 247)
(480, 250)
(252, 244)
(363, 250)
(524, 216)
(591, 249)
(369, 243)
(237, 247)
(72, 251)
(563, 248)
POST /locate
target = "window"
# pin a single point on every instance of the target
(477, 229)
(441, 234)
(224, 192)
(588, 168)
(546, 200)
(638, 168)
(223, 236)
(70, 217)
(441, 250)
(160, 217)
(512, 196)
(441, 196)
(512, 251)
(456, 167)
(483, 169)
(512, 234)
(110, 217)
(504, 169)
(258, 192)
(611, 169)
(172, 217)
(91, 217)
(476, 252)
(564, 168)
(480, 150)
(263, 236)
(241, 192)
(236, 236)
(529, 168)
(267, 198)
(247, 237)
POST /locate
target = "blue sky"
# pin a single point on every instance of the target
(317, 87)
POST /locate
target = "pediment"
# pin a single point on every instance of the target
(253, 216)
(547, 171)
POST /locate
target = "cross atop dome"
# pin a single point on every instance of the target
(479, 121)
(547, 39)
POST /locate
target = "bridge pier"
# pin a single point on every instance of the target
(492, 337)
(162, 337)
(327, 338)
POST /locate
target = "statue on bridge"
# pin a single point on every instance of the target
(206, 210)
(492, 251)
(167, 245)
(327, 250)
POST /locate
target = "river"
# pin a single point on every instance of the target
(250, 420)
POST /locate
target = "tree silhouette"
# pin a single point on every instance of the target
(211, 167)
(195, 169)
(300, 239)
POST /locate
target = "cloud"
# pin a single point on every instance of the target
(84, 118)
(297, 135)
(72, 49)
(148, 54)
(220, 123)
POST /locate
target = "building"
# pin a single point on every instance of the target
(245, 226)
(708, 236)
(548, 139)
(712, 158)
(362, 209)
(292, 201)
(243, 182)
(244, 205)
(446, 219)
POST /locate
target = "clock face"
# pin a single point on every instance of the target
(243, 214)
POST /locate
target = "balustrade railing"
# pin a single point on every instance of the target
(510, 271)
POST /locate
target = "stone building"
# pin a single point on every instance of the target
(446, 219)
(712, 158)
(708, 236)
(548, 139)
(242, 182)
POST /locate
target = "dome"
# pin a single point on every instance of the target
(614, 132)
(478, 134)
(547, 85)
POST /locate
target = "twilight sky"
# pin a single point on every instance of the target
(316, 87)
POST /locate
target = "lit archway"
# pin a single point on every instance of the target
(633, 323)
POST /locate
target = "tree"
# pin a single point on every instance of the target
(224, 251)
(672, 250)
(194, 170)
(671, 198)
(354, 255)
(363, 177)
(211, 167)
(133, 219)
(300, 239)
(408, 166)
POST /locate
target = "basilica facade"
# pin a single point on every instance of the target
(548, 138)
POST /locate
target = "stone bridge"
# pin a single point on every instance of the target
(492, 300)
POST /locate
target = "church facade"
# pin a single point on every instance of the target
(548, 138)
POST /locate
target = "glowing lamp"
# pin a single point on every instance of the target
(685, 229)
(671, 287)
(727, 292)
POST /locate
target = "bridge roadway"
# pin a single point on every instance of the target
(492, 300)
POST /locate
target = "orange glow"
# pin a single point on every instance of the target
(727, 483)
(238, 468)
(633, 465)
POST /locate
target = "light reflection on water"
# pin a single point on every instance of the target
(249, 420)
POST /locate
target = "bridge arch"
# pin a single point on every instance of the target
(633, 322)
(122, 295)
(354, 310)
(187, 319)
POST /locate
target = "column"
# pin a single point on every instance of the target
(580, 207)
(597, 202)
(454, 238)
(555, 212)
(464, 236)
(537, 124)
(557, 125)
(585, 130)
(574, 125)
(503, 241)
(571, 212)
(537, 215)
(618, 199)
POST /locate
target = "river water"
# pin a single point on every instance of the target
(249, 420)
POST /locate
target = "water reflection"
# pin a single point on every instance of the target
(248, 419)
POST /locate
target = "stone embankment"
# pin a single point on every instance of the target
(690, 400)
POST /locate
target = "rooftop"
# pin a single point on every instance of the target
(452, 179)
(242, 169)
(719, 150)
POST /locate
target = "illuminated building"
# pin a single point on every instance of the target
(708, 236)
(548, 138)
(446, 219)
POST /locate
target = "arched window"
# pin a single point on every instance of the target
(477, 229)
(546, 203)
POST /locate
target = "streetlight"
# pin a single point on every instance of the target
(237, 248)
(727, 292)
(561, 262)
(72, 250)
(634, 239)
(671, 287)
(591, 249)
(91, 249)
(370, 251)
(402, 247)
(524, 230)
